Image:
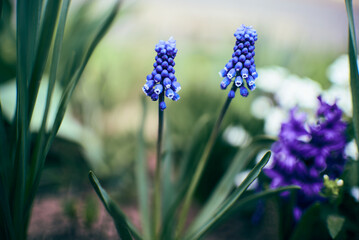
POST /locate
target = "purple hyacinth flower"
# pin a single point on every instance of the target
(162, 79)
(305, 152)
(241, 66)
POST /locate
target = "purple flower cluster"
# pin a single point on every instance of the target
(304, 153)
(162, 80)
(241, 67)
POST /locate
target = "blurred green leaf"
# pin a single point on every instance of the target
(142, 178)
(310, 225)
(353, 65)
(194, 149)
(229, 203)
(168, 189)
(124, 228)
(91, 211)
(226, 184)
(335, 224)
(76, 77)
(37, 161)
(45, 37)
(187, 165)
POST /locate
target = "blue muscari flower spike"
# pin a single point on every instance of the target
(241, 68)
(162, 79)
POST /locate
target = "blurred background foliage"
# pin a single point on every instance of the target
(100, 127)
(304, 37)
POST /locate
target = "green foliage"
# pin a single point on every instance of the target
(354, 70)
(335, 224)
(40, 28)
(123, 226)
(91, 211)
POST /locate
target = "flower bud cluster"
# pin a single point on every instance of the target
(241, 69)
(162, 80)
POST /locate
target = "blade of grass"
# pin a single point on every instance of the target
(122, 224)
(168, 189)
(67, 93)
(4, 177)
(22, 144)
(230, 201)
(48, 23)
(4, 154)
(262, 195)
(194, 149)
(353, 65)
(36, 163)
(190, 159)
(142, 178)
(252, 199)
(226, 184)
(200, 167)
(76, 77)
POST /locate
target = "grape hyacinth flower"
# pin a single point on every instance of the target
(241, 69)
(162, 81)
(305, 153)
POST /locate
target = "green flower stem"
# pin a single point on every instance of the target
(157, 194)
(202, 163)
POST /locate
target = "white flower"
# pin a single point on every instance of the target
(274, 120)
(338, 71)
(351, 150)
(274, 77)
(261, 106)
(236, 136)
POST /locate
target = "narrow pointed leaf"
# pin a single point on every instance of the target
(122, 224)
(168, 191)
(142, 178)
(37, 161)
(49, 20)
(76, 77)
(230, 201)
(226, 184)
(353, 65)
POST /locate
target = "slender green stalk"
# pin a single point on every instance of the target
(158, 186)
(201, 164)
(142, 178)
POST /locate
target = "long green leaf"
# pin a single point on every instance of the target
(353, 65)
(48, 23)
(122, 224)
(142, 178)
(37, 162)
(5, 216)
(194, 149)
(67, 93)
(169, 190)
(252, 199)
(230, 201)
(21, 142)
(226, 184)
(4, 153)
(76, 77)
(190, 159)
